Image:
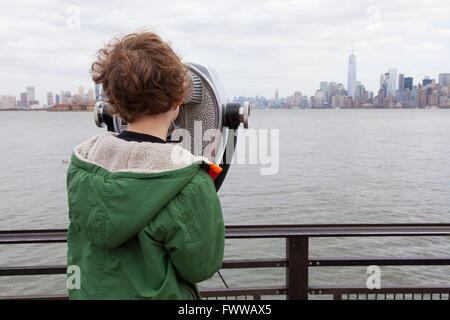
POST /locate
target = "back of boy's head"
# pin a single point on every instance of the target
(140, 75)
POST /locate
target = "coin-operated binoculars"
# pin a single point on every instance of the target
(206, 125)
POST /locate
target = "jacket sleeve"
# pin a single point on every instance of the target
(195, 237)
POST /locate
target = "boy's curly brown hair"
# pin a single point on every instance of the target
(140, 75)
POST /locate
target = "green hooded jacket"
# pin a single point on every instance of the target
(141, 225)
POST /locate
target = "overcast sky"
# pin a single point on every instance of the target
(256, 46)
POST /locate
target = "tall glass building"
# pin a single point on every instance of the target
(351, 83)
(30, 95)
(409, 83)
(392, 84)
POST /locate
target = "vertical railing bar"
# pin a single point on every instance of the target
(297, 269)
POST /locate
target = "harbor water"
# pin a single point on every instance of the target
(335, 166)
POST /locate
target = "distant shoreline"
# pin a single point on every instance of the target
(23, 109)
(20, 109)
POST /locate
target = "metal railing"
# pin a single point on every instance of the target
(297, 262)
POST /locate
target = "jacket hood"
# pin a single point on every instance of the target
(116, 187)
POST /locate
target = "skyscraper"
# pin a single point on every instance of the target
(97, 92)
(324, 89)
(318, 99)
(382, 81)
(50, 98)
(90, 95)
(409, 83)
(81, 91)
(426, 81)
(401, 81)
(385, 86)
(392, 83)
(444, 79)
(351, 83)
(30, 95)
(23, 100)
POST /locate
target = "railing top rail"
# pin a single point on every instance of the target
(265, 231)
(338, 230)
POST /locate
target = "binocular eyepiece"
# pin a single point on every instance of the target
(233, 115)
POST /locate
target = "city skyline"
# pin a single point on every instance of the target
(405, 91)
(330, 94)
(395, 91)
(351, 78)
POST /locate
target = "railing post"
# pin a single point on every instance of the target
(297, 269)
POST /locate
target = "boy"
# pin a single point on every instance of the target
(142, 226)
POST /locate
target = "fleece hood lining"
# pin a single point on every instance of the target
(117, 155)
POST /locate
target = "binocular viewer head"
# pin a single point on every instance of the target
(206, 124)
